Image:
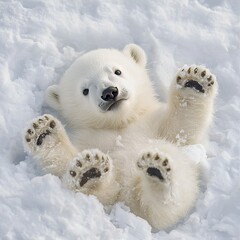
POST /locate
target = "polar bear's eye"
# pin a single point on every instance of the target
(118, 72)
(85, 92)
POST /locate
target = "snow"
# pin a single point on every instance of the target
(40, 39)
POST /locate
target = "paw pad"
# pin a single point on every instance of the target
(154, 172)
(42, 136)
(91, 173)
(39, 130)
(89, 166)
(195, 85)
(155, 164)
(195, 77)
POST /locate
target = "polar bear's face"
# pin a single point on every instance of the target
(104, 88)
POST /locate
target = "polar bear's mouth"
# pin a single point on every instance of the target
(112, 105)
(115, 104)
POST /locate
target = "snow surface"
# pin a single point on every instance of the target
(40, 39)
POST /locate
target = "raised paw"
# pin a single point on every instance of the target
(40, 129)
(195, 77)
(156, 165)
(87, 169)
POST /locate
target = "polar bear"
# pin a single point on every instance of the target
(123, 144)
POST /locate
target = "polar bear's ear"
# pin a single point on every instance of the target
(136, 53)
(52, 97)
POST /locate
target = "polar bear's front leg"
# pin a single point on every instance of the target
(91, 172)
(47, 140)
(190, 106)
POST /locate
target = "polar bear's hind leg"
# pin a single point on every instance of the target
(166, 187)
(87, 169)
(91, 172)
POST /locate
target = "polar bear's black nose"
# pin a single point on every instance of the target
(109, 93)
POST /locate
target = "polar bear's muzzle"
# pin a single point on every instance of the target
(112, 98)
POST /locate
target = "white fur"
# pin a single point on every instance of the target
(126, 157)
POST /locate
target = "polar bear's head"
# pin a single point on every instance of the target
(104, 88)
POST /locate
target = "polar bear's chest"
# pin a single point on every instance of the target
(107, 139)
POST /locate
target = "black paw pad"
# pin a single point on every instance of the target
(155, 173)
(195, 85)
(42, 136)
(91, 173)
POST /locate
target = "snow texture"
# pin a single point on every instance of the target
(39, 39)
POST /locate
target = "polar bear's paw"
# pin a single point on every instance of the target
(195, 77)
(41, 131)
(87, 169)
(156, 165)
